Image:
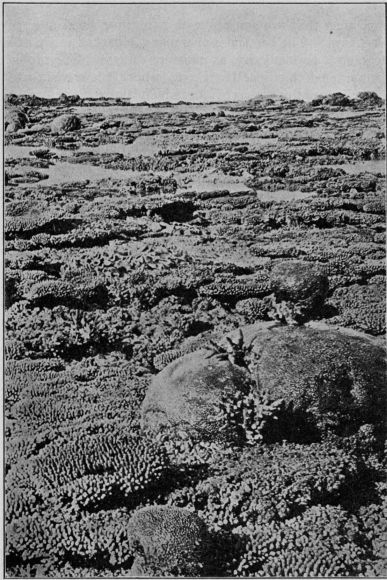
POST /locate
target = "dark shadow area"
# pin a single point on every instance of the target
(177, 211)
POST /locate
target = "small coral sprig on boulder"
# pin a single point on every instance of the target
(236, 351)
(248, 413)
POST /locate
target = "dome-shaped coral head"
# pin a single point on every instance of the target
(169, 541)
(299, 289)
(65, 124)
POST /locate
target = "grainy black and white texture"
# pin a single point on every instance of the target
(194, 337)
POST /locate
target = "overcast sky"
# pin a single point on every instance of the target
(193, 52)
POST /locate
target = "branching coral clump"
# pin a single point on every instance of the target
(23, 445)
(58, 540)
(17, 208)
(362, 307)
(150, 288)
(50, 492)
(373, 518)
(275, 249)
(45, 400)
(16, 367)
(370, 268)
(237, 288)
(87, 234)
(196, 324)
(27, 226)
(74, 292)
(29, 380)
(253, 309)
(376, 205)
(346, 270)
(234, 349)
(44, 410)
(73, 407)
(153, 258)
(28, 278)
(42, 261)
(287, 312)
(248, 413)
(20, 502)
(324, 541)
(269, 483)
(97, 469)
(122, 258)
(14, 349)
(65, 332)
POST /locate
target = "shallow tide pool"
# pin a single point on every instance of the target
(372, 166)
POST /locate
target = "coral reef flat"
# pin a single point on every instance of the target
(195, 338)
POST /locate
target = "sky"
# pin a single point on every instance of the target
(193, 52)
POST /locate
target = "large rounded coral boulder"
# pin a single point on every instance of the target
(189, 392)
(65, 124)
(333, 376)
(297, 280)
(14, 119)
